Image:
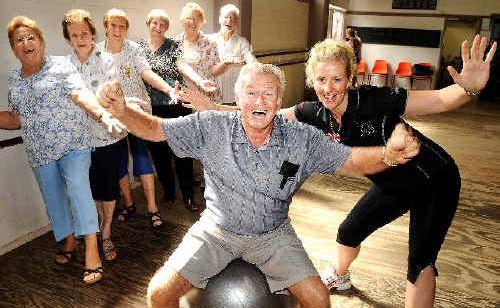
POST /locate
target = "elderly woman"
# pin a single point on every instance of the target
(96, 67)
(132, 68)
(234, 50)
(163, 54)
(43, 98)
(199, 53)
(353, 40)
(428, 186)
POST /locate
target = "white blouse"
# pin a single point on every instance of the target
(235, 49)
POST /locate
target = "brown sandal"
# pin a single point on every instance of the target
(91, 276)
(64, 257)
(109, 250)
(155, 220)
(126, 212)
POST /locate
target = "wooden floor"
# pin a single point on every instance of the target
(469, 262)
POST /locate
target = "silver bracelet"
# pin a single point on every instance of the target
(387, 161)
(472, 93)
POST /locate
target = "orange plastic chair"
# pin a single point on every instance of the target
(423, 77)
(362, 70)
(403, 71)
(379, 68)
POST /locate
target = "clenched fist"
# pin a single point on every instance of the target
(401, 147)
(111, 97)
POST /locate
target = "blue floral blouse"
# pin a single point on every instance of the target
(52, 124)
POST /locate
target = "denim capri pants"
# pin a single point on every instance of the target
(65, 188)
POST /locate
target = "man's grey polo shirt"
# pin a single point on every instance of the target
(243, 193)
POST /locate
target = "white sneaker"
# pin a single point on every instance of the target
(334, 282)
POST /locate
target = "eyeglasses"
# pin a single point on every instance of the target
(28, 39)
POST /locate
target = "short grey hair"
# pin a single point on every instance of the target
(158, 13)
(256, 67)
(229, 8)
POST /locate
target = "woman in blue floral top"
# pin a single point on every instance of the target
(43, 101)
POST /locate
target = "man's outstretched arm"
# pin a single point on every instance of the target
(401, 147)
(138, 122)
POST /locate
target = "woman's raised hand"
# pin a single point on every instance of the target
(475, 71)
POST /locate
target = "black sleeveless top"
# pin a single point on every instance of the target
(370, 117)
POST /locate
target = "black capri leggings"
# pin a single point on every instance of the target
(431, 211)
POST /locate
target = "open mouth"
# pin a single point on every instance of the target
(29, 51)
(258, 112)
(330, 97)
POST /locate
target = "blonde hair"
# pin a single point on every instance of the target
(158, 13)
(229, 8)
(330, 49)
(256, 67)
(190, 8)
(75, 16)
(115, 13)
(23, 21)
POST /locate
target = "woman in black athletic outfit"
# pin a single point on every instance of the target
(428, 186)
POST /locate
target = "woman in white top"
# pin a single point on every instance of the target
(234, 50)
(95, 68)
(132, 68)
(199, 53)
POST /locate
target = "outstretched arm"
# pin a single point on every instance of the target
(137, 121)
(158, 83)
(401, 147)
(208, 86)
(468, 83)
(9, 120)
(198, 101)
(88, 101)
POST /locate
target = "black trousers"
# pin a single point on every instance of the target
(432, 210)
(163, 156)
(104, 171)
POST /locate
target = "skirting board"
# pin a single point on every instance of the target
(24, 239)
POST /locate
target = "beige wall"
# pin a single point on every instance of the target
(342, 3)
(456, 32)
(294, 75)
(279, 25)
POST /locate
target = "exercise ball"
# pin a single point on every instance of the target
(239, 285)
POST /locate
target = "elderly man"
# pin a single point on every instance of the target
(254, 161)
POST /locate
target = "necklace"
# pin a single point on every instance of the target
(334, 127)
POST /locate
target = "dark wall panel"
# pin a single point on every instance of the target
(399, 36)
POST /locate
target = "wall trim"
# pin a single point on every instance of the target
(416, 14)
(10, 142)
(24, 239)
(289, 62)
(279, 53)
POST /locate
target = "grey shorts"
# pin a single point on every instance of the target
(206, 249)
